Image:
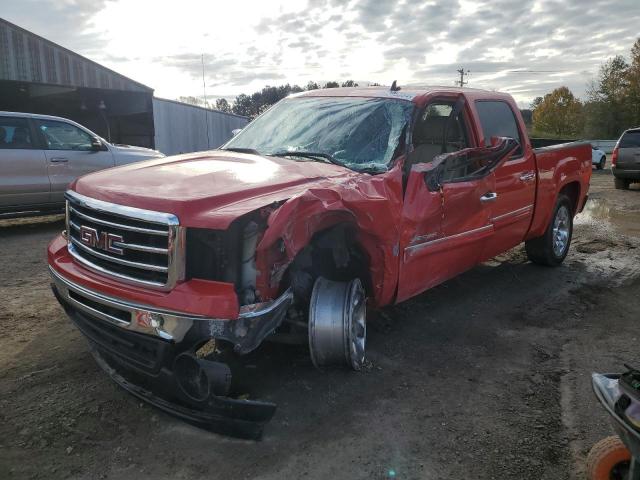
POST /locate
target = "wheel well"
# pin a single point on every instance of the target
(334, 254)
(572, 190)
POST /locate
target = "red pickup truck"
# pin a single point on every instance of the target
(330, 202)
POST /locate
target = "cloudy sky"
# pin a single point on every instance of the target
(523, 47)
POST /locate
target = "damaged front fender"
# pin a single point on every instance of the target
(370, 203)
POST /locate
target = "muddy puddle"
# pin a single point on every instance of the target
(603, 213)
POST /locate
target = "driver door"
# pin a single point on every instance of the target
(69, 155)
(448, 202)
(449, 230)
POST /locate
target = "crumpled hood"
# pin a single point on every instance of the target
(208, 189)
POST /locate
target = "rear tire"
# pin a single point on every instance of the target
(552, 247)
(621, 183)
(608, 459)
(603, 162)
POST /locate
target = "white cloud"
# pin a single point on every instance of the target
(524, 47)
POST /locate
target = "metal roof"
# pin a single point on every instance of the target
(27, 57)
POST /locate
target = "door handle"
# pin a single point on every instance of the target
(489, 197)
(59, 160)
(527, 177)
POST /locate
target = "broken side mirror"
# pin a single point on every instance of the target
(469, 164)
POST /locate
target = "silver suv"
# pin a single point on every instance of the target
(40, 155)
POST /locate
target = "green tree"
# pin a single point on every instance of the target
(633, 78)
(312, 86)
(331, 85)
(223, 105)
(559, 113)
(608, 109)
(536, 102)
(349, 83)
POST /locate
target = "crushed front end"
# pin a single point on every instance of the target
(158, 308)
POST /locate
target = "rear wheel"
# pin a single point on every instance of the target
(552, 247)
(608, 460)
(621, 183)
(337, 323)
(603, 162)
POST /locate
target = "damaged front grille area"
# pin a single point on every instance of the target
(227, 255)
(212, 254)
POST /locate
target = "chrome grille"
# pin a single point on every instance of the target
(134, 245)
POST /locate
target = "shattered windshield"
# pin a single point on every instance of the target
(363, 134)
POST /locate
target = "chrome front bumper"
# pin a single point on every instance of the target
(253, 324)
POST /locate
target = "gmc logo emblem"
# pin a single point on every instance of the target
(103, 240)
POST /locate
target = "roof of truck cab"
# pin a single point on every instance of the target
(410, 92)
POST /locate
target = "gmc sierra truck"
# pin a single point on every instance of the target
(330, 202)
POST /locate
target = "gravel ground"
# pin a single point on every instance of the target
(486, 376)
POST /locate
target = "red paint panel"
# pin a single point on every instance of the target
(557, 167)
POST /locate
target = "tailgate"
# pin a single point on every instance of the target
(628, 158)
(629, 150)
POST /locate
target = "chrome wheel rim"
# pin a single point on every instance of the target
(357, 324)
(561, 229)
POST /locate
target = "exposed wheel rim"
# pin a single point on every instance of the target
(561, 231)
(356, 324)
(337, 323)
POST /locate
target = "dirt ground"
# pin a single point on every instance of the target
(486, 376)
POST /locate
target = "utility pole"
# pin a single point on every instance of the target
(206, 104)
(463, 73)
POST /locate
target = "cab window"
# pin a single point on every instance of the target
(438, 130)
(497, 120)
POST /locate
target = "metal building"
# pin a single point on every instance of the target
(182, 128)
(39, 76)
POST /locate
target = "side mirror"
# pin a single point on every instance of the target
(469, 164)
(96, 144)
(235, 131)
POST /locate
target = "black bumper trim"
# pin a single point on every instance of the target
(159, 386)
(235, 418)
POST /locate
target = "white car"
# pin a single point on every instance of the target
(598, 157)
(41, 155)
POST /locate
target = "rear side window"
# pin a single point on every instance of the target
(497, 120)
(64, 136)
(630, 140)
(15, 133)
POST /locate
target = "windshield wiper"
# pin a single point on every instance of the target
(241, 150)
(312, 155)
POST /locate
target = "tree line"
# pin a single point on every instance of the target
(253, 105)
(611, 106)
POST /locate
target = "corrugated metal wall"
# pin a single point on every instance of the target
(25, 56)
(182, 128)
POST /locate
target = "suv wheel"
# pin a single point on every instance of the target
(551, 248)
(621, 183)
(603, 162)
